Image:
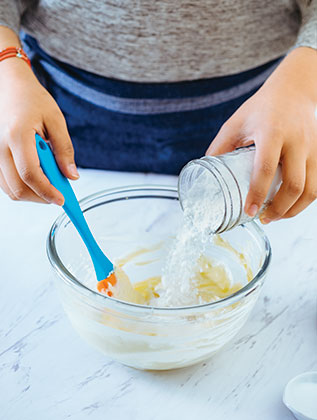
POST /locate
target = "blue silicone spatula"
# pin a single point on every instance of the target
(103, 266)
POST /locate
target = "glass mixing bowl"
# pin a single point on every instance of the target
(123, 220)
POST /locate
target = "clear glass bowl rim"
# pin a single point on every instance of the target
(66, 276)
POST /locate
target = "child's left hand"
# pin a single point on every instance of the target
(281, 120)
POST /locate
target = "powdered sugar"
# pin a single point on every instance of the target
(177, 287)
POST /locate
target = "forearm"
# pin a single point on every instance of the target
(297, 72)
(8, 38)
(12, 68)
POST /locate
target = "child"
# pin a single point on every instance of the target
(144, 86)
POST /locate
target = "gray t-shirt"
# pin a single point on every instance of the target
(166, 40)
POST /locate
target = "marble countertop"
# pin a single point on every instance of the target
(48, 372)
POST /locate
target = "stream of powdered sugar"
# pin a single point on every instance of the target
(178, 285)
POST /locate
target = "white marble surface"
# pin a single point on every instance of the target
(48, 372)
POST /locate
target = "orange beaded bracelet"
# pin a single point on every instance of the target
(14, 52)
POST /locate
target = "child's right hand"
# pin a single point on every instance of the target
(27, 108)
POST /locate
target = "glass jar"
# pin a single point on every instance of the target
(221, 184)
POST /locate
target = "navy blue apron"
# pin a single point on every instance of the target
(148, 127)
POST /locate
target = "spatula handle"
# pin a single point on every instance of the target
(61, 183)
(103, 265)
